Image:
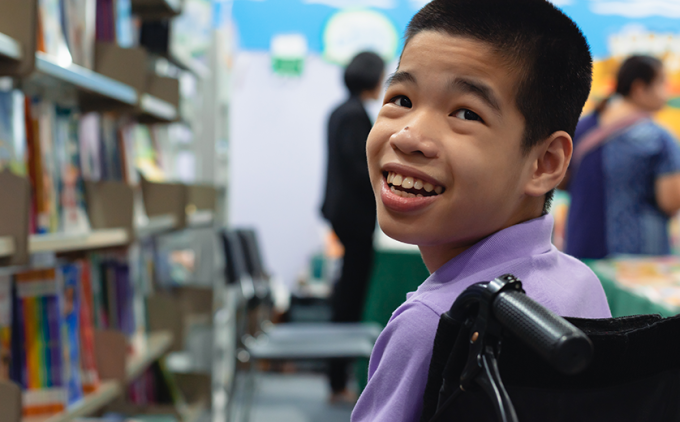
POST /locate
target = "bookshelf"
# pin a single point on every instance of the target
(156, 225)
(107, 392)
(201, 218)
(9, 48)
(157, 344)
(158, 108)
(6, 246)
(60, 242)
(84, 80)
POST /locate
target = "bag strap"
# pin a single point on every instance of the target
(602, 134)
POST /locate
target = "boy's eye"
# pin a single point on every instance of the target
(466, 114)
(402, 101)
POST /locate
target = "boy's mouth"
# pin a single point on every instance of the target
(410, 187)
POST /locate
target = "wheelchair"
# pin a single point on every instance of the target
(500, 356)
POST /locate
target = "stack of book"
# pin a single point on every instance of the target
(47, 324)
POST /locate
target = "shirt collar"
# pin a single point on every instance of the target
(530, 238)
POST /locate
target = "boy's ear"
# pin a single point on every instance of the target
(550, 163)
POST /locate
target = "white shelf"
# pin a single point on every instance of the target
(156, 225)
(156, 345)
(190, 64)
(158, 108)
(91, 403)
(200, 218)
(9, 47)
(7, 247)
(60, 242)
(85, 80)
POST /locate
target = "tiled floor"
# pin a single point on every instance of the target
(296, 398)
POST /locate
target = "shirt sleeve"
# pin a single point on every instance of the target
(352, 138)
(399, 367)
(668, 161)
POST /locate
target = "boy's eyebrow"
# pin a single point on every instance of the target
(478, 89)
(470, 86)
(400, 77)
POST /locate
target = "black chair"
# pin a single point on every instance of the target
(503, 357)
(290, 341)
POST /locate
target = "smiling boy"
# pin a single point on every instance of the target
(473, 136)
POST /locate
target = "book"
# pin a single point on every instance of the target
(5, 326)
(110, 148)
(12, 130)
(71, 190)
(80, 19)
(41, 165)
(70, 330)
(124, 24)
(37, 342)
(51, 38)
(88, 363)
(105, 26)
(88, 140)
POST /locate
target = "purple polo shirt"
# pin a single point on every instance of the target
(397, 372)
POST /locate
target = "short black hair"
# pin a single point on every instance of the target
(544, 47)
(639, 67)
(364, 72)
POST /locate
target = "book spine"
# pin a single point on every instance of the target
(47, 346)
(55, 350)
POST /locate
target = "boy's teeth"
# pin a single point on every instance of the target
(397, 180)
(409, 182)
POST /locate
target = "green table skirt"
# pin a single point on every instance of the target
(395, 273)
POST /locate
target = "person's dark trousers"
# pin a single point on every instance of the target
(349, 293)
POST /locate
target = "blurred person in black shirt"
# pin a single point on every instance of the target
(349, 203)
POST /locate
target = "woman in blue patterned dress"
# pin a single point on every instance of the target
(625, 172)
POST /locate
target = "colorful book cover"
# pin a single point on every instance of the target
(12, 131)
(97, 280)
(73, 218)
(37, 342)
(80, 18)
(124, 24)
(90, 375)
(70, 330)
(125, 299)
(90, 154)
(110, 147)
(126, 138)
(42, 166)
(5, 326)
(51, 32)
(105, 29)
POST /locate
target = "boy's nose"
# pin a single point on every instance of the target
(411, 140)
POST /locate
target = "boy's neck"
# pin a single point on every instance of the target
(435, 256)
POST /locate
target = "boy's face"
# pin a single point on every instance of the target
(449, 124)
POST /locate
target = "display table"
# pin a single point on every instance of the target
(640, 285)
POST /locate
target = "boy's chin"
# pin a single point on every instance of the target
(401, 233)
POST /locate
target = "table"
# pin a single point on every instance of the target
(640, 285)
(396, 271)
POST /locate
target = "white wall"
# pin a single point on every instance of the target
(277, 156)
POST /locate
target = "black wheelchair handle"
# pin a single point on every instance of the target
(564, 346)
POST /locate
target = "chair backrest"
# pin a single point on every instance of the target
(253, 254)
(235, 264)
